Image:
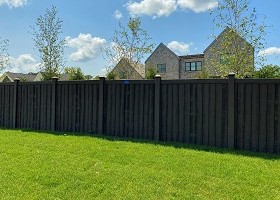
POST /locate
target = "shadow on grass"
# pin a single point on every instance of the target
(161, 143)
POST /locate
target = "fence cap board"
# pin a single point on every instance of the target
(129, 82)
(80, 82)
(7, 84)
(196, 81)
(257, 81)
(35, 83)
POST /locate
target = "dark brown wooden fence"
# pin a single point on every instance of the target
(229, 113)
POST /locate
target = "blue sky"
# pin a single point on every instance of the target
(184, 25)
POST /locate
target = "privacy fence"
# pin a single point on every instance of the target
(229, 113)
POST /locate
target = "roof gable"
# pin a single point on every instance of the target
(225, 31)
(124, 62)
(161, 45)
(11, 76)
(6, 77)
(216, 39)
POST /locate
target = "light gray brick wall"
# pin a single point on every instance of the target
(213, 53)
(186, 74)
(163, 55)
(124, 70)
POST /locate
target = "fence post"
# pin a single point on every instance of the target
(16, 81)
(101, 105)
(157, 107)
(231, 110)
(53, 113)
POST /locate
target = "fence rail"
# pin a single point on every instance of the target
(229, 113)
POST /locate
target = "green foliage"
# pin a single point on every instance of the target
(46, 35)
(96, 77)
(48, 166)
(204, 74)
(151, 71)
(88, 77)
(4, 56)
(234, 54)
(122, 75)
(268, 71)
(111, 75)
(131, 43)
(75, 73)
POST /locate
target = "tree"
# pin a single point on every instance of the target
(151, 71)
(4, 56)
(204, 74)
(88, 77)
(111, 76)
(235, 55)
(75, 73)
(96, 77)
(131, 43)
(268, 71)
(46, 35)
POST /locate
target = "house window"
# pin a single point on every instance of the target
(161, 68)
(198, 66)
(193, 66)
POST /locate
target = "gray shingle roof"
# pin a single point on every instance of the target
(27, 77)
(192, 56)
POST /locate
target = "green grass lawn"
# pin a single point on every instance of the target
(48, 166)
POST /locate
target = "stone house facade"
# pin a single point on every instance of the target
(165, 60)
(172, 66)
(190, 65)
(29, 77)
(125, 70)
(218, 52)
(10, 77)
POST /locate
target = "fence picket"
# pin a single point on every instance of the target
(232, 113)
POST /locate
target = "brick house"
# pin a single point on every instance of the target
(10, 77)
(127, 70)
(172, 66)
(29, 77)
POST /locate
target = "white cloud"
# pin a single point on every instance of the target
(88, 47)
(197, 5)
(24, 63)
(13, 3)
(270, 51)
(159, 8)
(118, 14)
(179, 47)
(155, 8)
